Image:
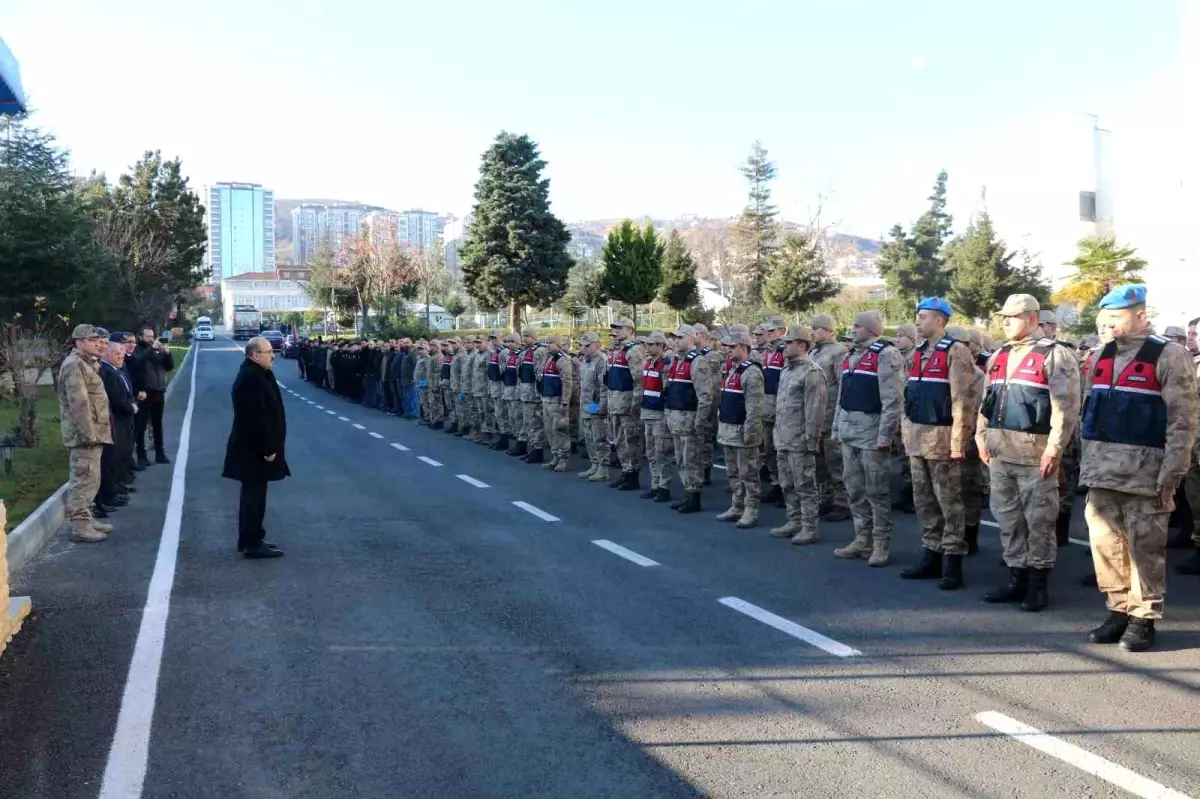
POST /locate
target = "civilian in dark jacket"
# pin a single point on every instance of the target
(151, 363)
(254, 455)
(121, 409)
(412, 405)
(129, 460)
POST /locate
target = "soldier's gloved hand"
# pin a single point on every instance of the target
(462, 395)
(593, 407)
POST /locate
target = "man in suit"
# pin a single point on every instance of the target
(121, 408)
(152, 362)
(254, 454)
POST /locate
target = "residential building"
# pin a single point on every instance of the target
(241, 229)
(342, 222)
(454, 235)
(382, 226)
(584, 244)
(270, 292)
(308, 226)
(418, 228)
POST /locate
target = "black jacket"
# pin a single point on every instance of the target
(150, 367)
(259, 427)
(120, 396)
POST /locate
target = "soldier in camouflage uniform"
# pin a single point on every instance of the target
(554, 380)
(906, 341)
(532, 357)
(653, 413)
(740, 430)
(828, 353)
(436, 408)
(421, 378)
(869, 405)
(1068, 470)
(450, 385)
(715, 359)
(496, 357)
(86, 428)
(460, 380)
(690, 397)
(773, 356)
(939, 419)
(625, 402)
(1024, 426)
(973, 468)
(481, 401)
(1138, 431)
(593, 406)
(508, 406)
(800, 408)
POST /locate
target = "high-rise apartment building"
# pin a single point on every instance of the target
(241, 229)
(418, 228)
(308, 226)
(342, 222)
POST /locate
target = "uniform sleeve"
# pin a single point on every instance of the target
(703, 383)
(78, 406)
(962, 399)
(816, 396)
(892, 379)
(835, 396)
(1176, 374)
(752, 384)
(1196, 449)
(981, 422)
(566, 367)
(637, 356)
(1064, 399)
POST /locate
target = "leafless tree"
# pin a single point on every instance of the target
(30, 346)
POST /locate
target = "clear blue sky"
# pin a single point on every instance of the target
(640, 108)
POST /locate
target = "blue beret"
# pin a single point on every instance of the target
(935, 304)
(1124, 297)
(116, 338)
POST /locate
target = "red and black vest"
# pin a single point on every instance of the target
(527, 373)
(927, 395)
(726, 367)
(1020, 402)
(618, 377)
(1127, 408)
(653, 383)
(773, 361)
(860, 382)
(510, 367)
(982, 358)
(446, 359)
(681, 392)
(551, 380)
(493, 365)
(733, 395)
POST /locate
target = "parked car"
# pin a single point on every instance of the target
(275, 337)
(291, 347)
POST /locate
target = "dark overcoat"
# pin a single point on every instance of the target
(259, 427)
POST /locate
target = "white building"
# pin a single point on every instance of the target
(439, 318)
(418, 228)
(308, 226)
(711, 298)
(270, 292)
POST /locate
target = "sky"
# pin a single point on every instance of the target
(639, 108)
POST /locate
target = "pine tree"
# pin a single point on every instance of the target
(632, 259)
(758, 227)
(912, 264)
(515, 252)
(980, 269)
(798, 278)
(679, 289)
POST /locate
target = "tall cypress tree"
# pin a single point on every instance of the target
(798, 278)
(679, 289)
(515, 253)
(913, 264)
(758, 226)
(632, 259)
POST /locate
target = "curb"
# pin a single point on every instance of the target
(31, 535)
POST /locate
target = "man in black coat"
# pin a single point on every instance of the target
(151, 363)
(121, 407)
(254, 455)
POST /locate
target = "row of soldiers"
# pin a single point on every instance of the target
(817, 420)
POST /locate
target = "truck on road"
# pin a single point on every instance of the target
(247, 321)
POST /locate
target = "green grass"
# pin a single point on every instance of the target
(38, 472)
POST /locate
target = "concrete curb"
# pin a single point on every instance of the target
(31, 535)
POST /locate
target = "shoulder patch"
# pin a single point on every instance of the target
(1159, 339)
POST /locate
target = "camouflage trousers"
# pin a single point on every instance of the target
(869, 492)
(1068, 475)
(741, 467)
(708, 442)
(1026, 506)
(768, 448)
(426, 405)
(1191, 489)
(462, 406)
(485, 414)
(595, 438)
(829, 473)
(798, 478)
(937, 493)
(689, 460)
(85, 482)
(516, 418)
(449, 402)
(434, 406)
(500, 413)
(535, 434)
(658, 451)
(556, 426)
(1129, 550)
(627, 434)
(972, 487)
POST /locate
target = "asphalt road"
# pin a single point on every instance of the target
(425, 636)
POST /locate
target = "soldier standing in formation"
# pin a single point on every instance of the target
(625, 402)
(83, 408)
(773, 358)
(939, 418)
(509, 407)
(555, 379)
(497, 355)
(1027, 421)
(689, 405)
(866, 422)
(799, 410)
(421, 376)
(740, 430)
(653, 412)
(906, 341)
(532, 358)
(481, 417)
(593, 407)
(829, 353)
(715, 360)
(437, 410)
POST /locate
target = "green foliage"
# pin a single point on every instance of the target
(454, 306)
(912, 263)
(515, 252)
(982, 272)
(632, 259)
(697, 314)
(798, 279)
(679, 289)
(585, 288)
(1101, 265)
(758, 227)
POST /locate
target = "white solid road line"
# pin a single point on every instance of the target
(790, 627)
(466, 478)
(400, 447)
(358, 426)
(1081, 542)
(373, 434)
(125, 771)
(628, 554)
(536, 511)
(1082, 759)
(430, 461)
(343, 419)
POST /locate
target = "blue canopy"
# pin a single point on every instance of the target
(12, 98)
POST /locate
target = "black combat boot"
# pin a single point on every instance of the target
(630, 482)
(574, 447)
(142, 460)
(952, 575)
(1139, 635)
(662, 495)
(1112, 630)
(437, 426)
(691, 504)
(1037, 598)
(929, 568)
(450, 428)
(535, 456)
(1191, 565)
(1062, 529)
(971, 533)
(500, 443)
(651, 494)
(774, 495)
(1015, 591)
(617, 481)
(707, 477)
(520, 450)
(614, 461)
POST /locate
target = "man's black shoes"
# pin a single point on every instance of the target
(261, 551)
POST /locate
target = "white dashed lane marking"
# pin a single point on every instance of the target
(400, 447)
(536, 511)
(331, 413)
(430, 461)
(373, 434)
(466, 478)
(320, 407)
(718, 466)
(358, 426)
(343, 419)
(628, 554)
(1081, 759)
(790, 627)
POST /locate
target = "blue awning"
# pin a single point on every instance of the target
(12, 98)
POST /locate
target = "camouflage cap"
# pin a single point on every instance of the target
(494, 333)
(870, 321)
(1089, 342)
(774, 323)
(1175, 331)
(758, 329)
(957, 333)
(700, 328)
(529, 332)
(588, 338)
(684, 330)
(736, 337)
(656, 337)
(622, 321)
(823, 321)
(1048, 318)
(88, 331)
(975, 337)
(511, 338)
(907, 330)
(1018, 304)
(798, 333)
(479, 339)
